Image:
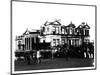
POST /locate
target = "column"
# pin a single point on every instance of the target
(35, 40)
(25, 43)
(30, 44)
(72, 41)
(75, 42)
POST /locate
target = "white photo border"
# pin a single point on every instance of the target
(53, 70)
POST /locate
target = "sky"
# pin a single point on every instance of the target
(33, 15)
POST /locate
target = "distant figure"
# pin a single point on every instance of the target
(27, 56)
(35, 57)
(38, 56)
(66, 55)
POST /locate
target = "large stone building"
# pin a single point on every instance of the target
(58, 34)
(27, 40)
(51, 32)
(54, 33)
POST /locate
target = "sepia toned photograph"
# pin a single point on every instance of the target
(52, 37)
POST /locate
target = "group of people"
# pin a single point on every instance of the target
(36, 56)
(33, 57)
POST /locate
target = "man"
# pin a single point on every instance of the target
(38, 56)
(27, 57)
(66, 54)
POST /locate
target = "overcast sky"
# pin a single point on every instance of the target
(33, 15)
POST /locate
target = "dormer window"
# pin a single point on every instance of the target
(57, 30)
(62, 31)
(70, 31)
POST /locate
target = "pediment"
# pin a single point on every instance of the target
(26, 32)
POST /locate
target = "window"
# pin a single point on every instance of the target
(63, 41)
(87, 32)
(70, 31)
(54, 42)
(54, 30)
(33, 43)
(19, 42)
(58, 41)
(37, 40)
(66, 31)
(43, 41)
(73, 31)
(29, 42)
(77, 42)
(72, 41)
(62, 31)
(57, 30)
(47, 29)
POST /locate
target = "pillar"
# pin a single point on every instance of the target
(25, 43)
(30, 43)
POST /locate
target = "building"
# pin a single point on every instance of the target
(19, 43)
(58, 34)
(55, 34)
(51, 32)
(28, 40)
(77, 35)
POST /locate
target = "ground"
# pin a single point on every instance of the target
(56, 63)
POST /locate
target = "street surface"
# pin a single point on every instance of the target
(56, 63)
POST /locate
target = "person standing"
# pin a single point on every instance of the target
(38, 55)
(27, 57)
